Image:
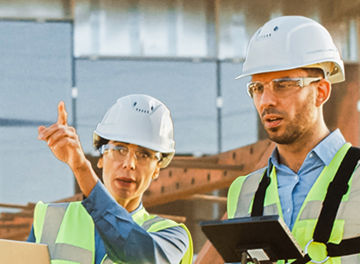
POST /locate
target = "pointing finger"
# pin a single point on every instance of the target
(62, 114)
(40, 131)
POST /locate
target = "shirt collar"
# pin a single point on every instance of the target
(329, 146)
(325, 150)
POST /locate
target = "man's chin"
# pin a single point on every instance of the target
(280, 139)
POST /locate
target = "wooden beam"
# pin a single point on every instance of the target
(204, 164)
(17, 206)
(16, 234)
(208, 254)
(209, 198)
(179, 181)
(10, 216)
(17, 226)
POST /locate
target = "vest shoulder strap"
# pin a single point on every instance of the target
(157, 223)
(336, 189)
(259, 198)
(241, 193)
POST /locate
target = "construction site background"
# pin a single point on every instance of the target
(187, 54)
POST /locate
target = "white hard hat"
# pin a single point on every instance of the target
(141, 120)
(291, 42)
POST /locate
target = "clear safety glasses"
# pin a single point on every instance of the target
(121, 151)
(280, 87)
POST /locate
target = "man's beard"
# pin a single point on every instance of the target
(297, 128)
(291, 134)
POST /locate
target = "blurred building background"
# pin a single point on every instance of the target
(90, 52)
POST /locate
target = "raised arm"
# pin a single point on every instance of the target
(64, 143)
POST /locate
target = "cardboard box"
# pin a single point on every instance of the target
(19, 252)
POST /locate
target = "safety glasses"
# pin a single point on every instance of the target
(119, 151)
(280, 87)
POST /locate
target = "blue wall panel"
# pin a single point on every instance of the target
(35, 68)
(239, 117)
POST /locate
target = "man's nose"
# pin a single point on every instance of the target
(268, 97)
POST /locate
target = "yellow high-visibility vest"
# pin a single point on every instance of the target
(68, 230)
(346, 224)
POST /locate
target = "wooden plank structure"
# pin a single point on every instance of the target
(206, 174)
(192, 178)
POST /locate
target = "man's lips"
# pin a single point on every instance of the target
(272, 117)
(271, 121)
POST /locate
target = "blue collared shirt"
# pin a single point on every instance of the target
(122, 239)
(294, 187)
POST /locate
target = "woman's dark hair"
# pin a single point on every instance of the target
(99, 142)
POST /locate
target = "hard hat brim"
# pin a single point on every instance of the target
(339, 76)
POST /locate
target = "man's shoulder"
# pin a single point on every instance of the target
(240, 180)
(257, 172)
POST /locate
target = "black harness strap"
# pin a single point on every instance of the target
(346, 247)
(258, 204)
(336, 189)
(303, 260)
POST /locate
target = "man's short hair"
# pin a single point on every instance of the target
(314, 72)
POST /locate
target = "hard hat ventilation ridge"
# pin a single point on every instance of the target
(142, 109)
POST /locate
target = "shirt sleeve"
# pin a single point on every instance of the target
(31, 237)
(125, 240)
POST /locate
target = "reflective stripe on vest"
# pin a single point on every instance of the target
(246, 196)
(61, 251)
(148, 223)
(247, 192)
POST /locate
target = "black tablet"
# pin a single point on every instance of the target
(266, 238)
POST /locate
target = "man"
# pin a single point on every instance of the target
(292, 62)
(135, 140)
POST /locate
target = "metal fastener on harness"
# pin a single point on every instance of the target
(314, 261)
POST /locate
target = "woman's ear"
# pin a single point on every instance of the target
(323, 92)
(156, 173)
(100, 163)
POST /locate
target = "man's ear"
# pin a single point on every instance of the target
(100, 163)
(323, 92)
(156, 173)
